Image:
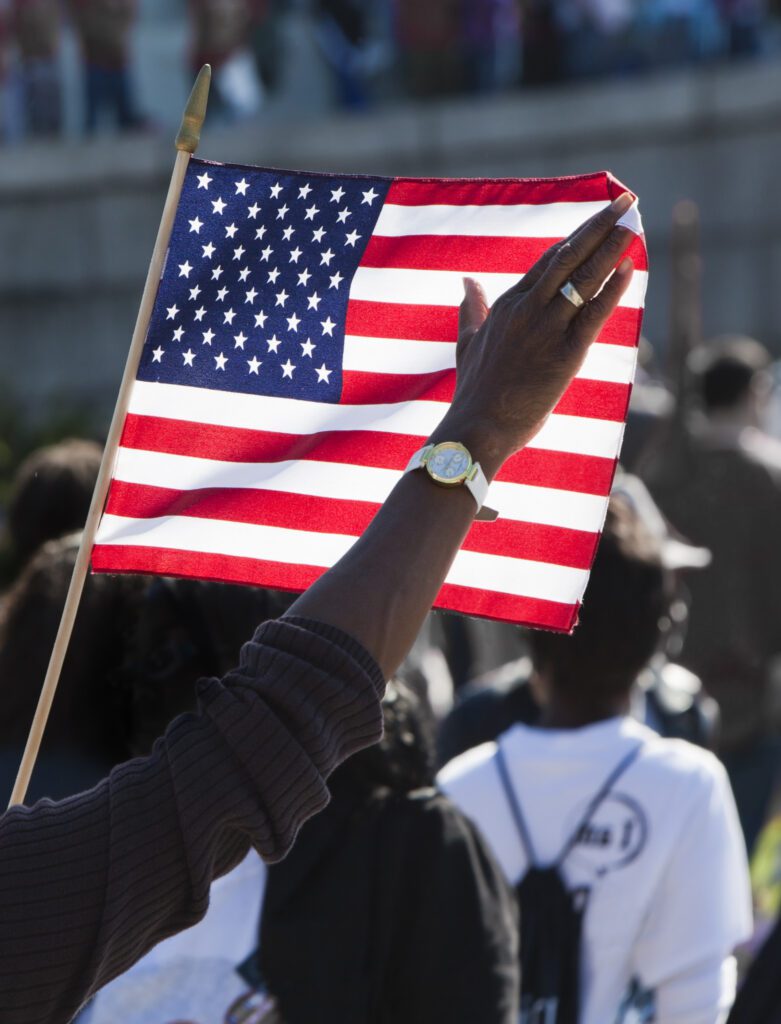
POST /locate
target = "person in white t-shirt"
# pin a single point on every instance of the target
(662, 855)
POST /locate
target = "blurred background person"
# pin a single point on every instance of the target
(429, 37)
(722, 490)
(105, 28)
(223, 37)
(491, 44)
(37, 28)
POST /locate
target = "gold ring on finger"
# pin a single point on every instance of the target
(571, 294)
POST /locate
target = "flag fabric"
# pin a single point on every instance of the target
(302, 348)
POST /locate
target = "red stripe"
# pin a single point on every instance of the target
(532, 541)
(282, 576)
(469, 254)
(200, 565)
(389, 320)
(508, 608)
(593, 399)
(584, 474)
(360, 388)
(504, 192)
(440, 323)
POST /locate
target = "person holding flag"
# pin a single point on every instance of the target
(89, 884)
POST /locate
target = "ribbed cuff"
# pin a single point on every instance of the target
(347, 643)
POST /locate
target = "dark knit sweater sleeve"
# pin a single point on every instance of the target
(89, 884)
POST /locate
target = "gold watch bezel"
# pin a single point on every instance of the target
(456, 481)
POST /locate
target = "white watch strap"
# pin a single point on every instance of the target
(478, 485)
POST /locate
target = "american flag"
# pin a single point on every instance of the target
(302, 348)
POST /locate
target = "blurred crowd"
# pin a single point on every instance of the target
(372, 51)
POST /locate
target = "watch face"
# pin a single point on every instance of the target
(449, 463)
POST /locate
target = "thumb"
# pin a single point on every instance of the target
(473, 310)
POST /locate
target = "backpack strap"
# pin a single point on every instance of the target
(592, 808)
(515, 806)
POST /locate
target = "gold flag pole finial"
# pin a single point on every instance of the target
(195, 112)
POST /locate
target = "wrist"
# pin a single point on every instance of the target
(483, 443)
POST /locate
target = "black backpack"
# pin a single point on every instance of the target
(551, 916)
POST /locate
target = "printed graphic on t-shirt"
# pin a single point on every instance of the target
(613, 838)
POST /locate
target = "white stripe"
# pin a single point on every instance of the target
(446, 287)
(490, 572)
(346, 482)
(614, 364)
(573, 434)
(549, 220)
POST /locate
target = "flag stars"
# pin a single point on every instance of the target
(336, 195)
(238, 253)
(304, 191)
(185, 269)
(311, 213)
(264, 256)
(217, 273)
(229, 316)
(254, 365)
(273, 343)
(243, 275)
(260, 233)
(239, 340)
(204, 180)
(296, 255)
(221, 294)
(251, 296)
(157, 355)
(208, 337)
(188, 357)
(275, 190)
(218, 206)
(195, 292)
(230, 230)
(288, 233)
(307, 347)
(195, 226)
(282, 298)
(252, 213)
(200, 314)
(293, 322)
(318, 235)
(323, 374)
(326, 257)
(282, 212)
(273, 275)
(352, 238)
(241, 187)
(314, 301)
(328, 326)
(220, 361)
(369, 197)
(260, 319)
(287, 370)
(208, 251)
(173, 312)
(178, 334)
(343, 215)
(303, 277)
(336, 280)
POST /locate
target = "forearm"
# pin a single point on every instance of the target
(382, 589)
(88, 885)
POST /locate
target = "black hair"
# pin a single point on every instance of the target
(628, 593)
(726, 367)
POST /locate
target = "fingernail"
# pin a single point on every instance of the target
(624, 266)
(622, 204)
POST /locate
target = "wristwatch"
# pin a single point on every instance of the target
(449, 464)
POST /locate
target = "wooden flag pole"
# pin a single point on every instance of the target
(186, 143)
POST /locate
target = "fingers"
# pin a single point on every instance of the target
(593, 316)
(473, 310)
(591, 275)
(582, 245)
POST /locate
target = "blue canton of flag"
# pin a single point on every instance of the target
(255, 287)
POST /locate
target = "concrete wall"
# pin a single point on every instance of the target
(78, 221)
